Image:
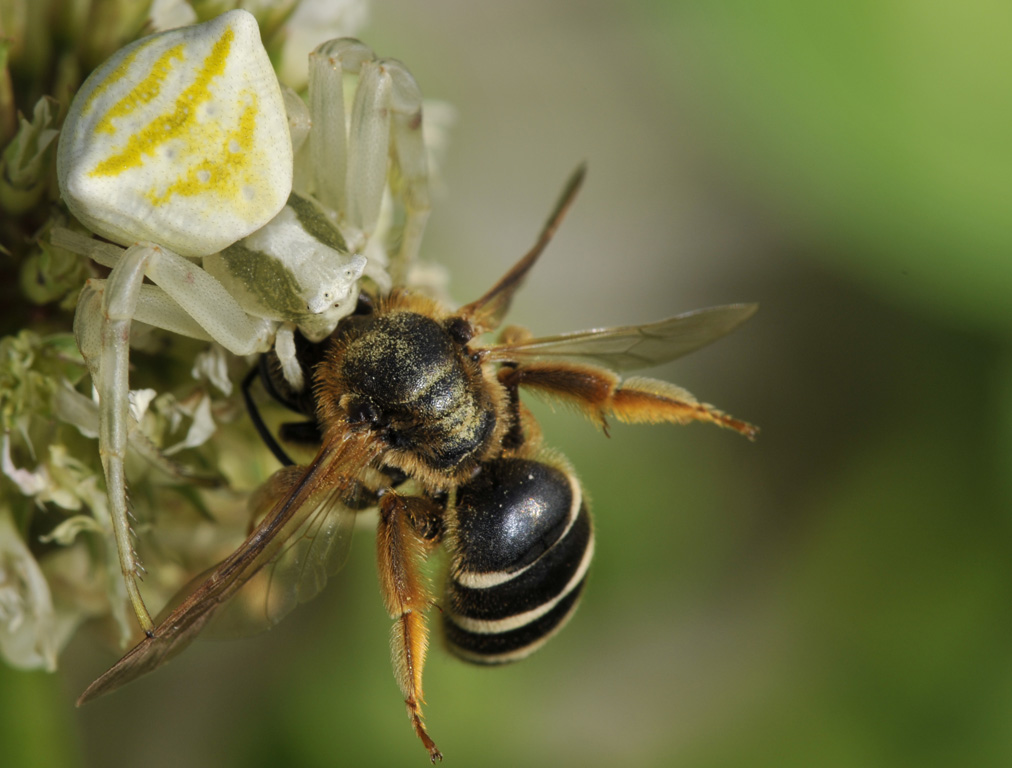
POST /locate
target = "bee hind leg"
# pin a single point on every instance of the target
(600, 393)
(409, 528)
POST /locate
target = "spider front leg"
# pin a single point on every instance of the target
(189, 300)
(409, 527)
(353, 159)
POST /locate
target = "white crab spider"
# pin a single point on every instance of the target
(183, 147)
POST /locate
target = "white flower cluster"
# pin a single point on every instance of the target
(58, 559)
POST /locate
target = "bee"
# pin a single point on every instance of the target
(411, 415)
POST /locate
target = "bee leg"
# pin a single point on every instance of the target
(258, 422)
(409, 527)
(600, 393)
(304, 433)
(511, 383)
(524, 429)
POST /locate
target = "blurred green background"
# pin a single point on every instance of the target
(837, 594)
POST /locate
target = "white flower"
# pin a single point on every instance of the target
(169, 14)
(314, 22)
(27, 621)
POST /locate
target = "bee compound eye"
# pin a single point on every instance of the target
(362, 413)
(460, 330)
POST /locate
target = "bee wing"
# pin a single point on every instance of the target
(486, 313)
(632, 346)
(296, 574)
(329, 475)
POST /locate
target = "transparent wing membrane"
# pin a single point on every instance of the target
(632, 347)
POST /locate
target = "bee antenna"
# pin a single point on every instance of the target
(486, 313)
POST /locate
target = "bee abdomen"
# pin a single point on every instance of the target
(522, 541)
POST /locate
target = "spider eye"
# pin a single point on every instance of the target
(181, 139)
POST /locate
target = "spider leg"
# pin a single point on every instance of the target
(187, 297)
(350, 169)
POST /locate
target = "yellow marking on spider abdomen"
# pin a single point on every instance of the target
(225, 168)
(181, 124)
(181, 139)
(119, 73)
(146, 91)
